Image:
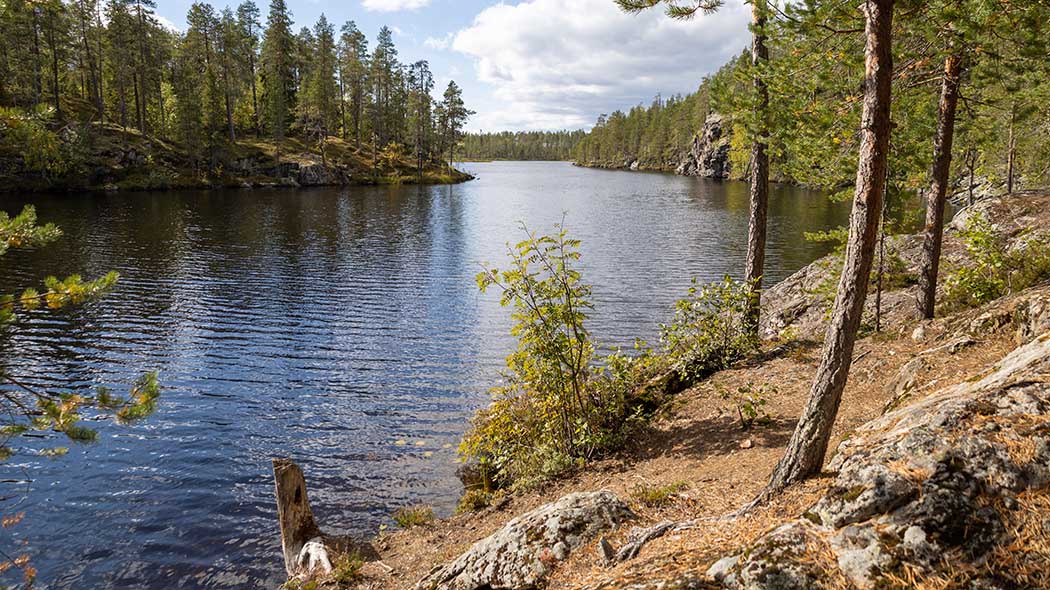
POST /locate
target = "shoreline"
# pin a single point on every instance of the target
(697, 463)
(256, 183)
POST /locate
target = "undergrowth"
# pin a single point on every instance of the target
(995, 269)
(413, 516)
(562, 403)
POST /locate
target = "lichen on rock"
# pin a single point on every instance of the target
(929, 490)
(523, 553)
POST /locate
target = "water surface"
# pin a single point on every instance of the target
(340, 327)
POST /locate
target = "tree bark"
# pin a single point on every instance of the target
(1012, 151)
(808, 445)
(756, 237)
(101, 64)
(38, 84)
(144, 64)
(54, 61)
(251, 67)
(226, 94)
(942, 163)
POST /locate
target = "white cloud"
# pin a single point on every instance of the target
(167, 24)
(439, 43)
(393, 5)
(557, 64)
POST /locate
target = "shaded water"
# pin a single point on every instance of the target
(340, 327)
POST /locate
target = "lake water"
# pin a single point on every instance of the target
(340, 327)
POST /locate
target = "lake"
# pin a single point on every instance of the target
(340, 327)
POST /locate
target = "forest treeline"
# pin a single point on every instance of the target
(814, 78)
(71, 69)
(657, 136)
(521, 145)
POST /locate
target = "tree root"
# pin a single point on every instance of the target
(639, 537)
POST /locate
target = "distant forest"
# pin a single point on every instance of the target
(521, 145)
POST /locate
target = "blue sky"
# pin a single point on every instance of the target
(537, 64)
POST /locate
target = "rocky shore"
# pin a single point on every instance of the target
(114, 160)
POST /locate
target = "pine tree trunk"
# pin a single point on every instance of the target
(226, 94)
(93, 87)
(54, 62)
(123, 90)
(138, 107)
(357, 118)
(143, 63)
(162, 129)
(38, 85)
(1011, 153)
(101, 65)
(942, 163)
(255, 100)
(756, 238)
(808, 445)
(342, 106)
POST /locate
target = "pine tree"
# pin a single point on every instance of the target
(318, 107)
(420, 107)
(353, 74)
(382, 73)
(759, 165)
(121, 59)
(278, 74)
(454, 115)
(248, 22)
(808, 445)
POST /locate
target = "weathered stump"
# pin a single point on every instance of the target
(307, 551)
(293, 512)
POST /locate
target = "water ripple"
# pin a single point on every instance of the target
(340, 327)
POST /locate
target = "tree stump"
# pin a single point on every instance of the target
(293, 512)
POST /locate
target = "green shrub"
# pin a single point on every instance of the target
(413, 516)
(473, 501)
(709, 331)
(995, 270)
(346, 569)
(984, 279)
(559, 407)
(749, 402)
(655, 496)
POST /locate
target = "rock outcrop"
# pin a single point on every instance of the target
(522, 554)
(321, 175)
(935, 490)
(801, 304)
(709, 155)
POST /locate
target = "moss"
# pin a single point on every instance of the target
(654, 496)
(852, 493)
(813, 517)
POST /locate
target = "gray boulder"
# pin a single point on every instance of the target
(523, 553)
(320, 175)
